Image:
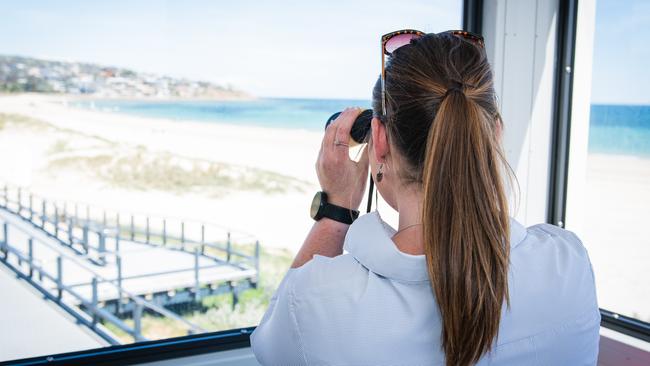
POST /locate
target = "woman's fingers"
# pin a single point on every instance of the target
(341, 177)
(330, 135)
(337, 134)
(344, 124)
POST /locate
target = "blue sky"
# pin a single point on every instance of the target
(285, 48)
(269, 48)
(621, 74)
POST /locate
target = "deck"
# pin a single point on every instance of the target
(96, 269)
(33, 326)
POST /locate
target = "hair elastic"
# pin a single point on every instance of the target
(453, 88)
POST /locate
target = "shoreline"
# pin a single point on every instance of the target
(252, 126)
(228, 96)
(92, 97)
(284, 148)
(286, 152)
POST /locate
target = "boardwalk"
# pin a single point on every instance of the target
(145, 269)
(101, 271)
(33, 326)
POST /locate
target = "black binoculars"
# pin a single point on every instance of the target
(360, 127)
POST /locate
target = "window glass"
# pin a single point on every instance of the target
(157, 158)
(618, 164)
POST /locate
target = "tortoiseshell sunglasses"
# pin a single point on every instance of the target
(394, 40)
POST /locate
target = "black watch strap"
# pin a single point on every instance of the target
(340, 214)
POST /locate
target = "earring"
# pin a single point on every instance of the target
(380, 174)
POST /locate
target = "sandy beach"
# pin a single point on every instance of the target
(260, 181)
(617, 216)
(40, 154)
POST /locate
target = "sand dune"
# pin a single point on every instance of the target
(27, 151)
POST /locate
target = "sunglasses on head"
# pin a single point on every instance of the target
(394, 40)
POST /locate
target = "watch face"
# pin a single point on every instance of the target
(315, 205)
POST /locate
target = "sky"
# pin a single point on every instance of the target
(277, 48)
(283, 48)
(621, 52)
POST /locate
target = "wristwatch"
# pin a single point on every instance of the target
(321, 208)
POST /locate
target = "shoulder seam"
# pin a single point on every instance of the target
(543, 228)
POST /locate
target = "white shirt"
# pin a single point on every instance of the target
(375, 306)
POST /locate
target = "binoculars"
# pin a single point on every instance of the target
(360, 127)
(359, 135)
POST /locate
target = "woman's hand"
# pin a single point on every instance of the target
(343, 179)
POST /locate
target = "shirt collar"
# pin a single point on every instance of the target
(369, 241)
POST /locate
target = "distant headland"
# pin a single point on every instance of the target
(30, 75)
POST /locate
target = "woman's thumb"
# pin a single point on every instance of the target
(363, 160)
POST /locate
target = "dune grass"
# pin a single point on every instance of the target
(17, 120)
(138, 168)
(216, 312)
(144, 170)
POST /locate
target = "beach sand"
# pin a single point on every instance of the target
(30, 151)
(34, 156)
(617, 217)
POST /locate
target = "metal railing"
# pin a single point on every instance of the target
(48, 277)
(97, 232)
(91, 241)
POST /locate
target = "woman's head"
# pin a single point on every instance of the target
(440, 135)
(418, 77)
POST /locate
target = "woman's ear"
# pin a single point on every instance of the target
(379, 140)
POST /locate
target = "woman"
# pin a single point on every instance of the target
(459, 282)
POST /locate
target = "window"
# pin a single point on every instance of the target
(156, 158)
(616, 195)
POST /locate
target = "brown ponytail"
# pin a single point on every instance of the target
(466, 225)
(441, 87)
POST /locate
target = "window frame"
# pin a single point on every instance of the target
(148, 351)
(560, 147)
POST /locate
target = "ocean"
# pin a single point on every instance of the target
(620, 129)
(614, 129)
(305, 114)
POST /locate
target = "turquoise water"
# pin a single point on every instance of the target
(614, 129)
(306, 114)
(620, 129)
